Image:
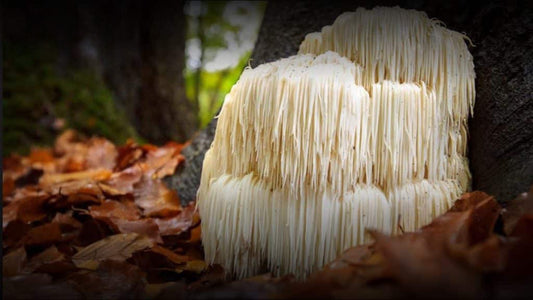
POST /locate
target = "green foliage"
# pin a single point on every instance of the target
(209, 26)
(37, 96)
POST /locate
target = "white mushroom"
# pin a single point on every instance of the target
(364, 128)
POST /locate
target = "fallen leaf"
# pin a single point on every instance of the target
(128, 154)
(146, 227)
(178, 224)
(156, 199)
(111, 280)
(82, 186)
(122, 182)
(116, 247)
(101, 153)
(95, 174)
(32, 208)
(8, 186)
(13, 167)
(171, 255)
(48, 256)
(161, 162)
(13, 262)
(514, 209)
(30, 178)
(14, 232)
(66, 221)
(38, 286)
(45, 234)
(92, 231)
(196, 266)
(9, 214)
(110, 209)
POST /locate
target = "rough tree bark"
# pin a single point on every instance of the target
(501, 141)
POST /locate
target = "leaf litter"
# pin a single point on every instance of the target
(88, 219)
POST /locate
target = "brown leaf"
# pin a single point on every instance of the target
(111, 280)
(123, 181)
(116, 247)
(25, 192)
(423, 270)
(14, 233)
(128, 154)
(41, 155)
(64, 142)
(101, 153)
(13, 262)
(515, 208)
(92, 231)
(171, 255)
(110, 209)
(95, 174)
(162, 161)
(8, 186)
(47, 257)
(67, 221)
(38, 286)
(196, 266)
(146, 227)
(45, 234)
(524, 227)
(32, 208)
(176, 225)
(13, 167)
(88, 187)
(30, 178)
(156, 199)
(9, 214)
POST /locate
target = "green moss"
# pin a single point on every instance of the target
(36, 94)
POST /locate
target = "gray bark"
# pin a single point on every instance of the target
(501, 139)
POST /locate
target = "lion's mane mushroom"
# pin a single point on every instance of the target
(364, 128)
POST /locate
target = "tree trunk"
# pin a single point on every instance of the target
(141, 45)
(501, 138)
(137, 46)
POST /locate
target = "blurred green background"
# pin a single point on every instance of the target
(41, 99)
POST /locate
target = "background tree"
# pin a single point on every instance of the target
(128, 58)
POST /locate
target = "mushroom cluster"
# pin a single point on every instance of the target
(366, 127)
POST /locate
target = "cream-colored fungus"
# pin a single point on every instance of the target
(364, 128)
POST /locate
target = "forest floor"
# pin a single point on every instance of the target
(89, 219)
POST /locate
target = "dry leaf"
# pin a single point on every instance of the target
(116, 247)
(146, 227)
(122, 182)
(49, 256)
(114, 209)
(156, 199)
(101, 153)
(111, 280)
(96, 174)
(514, 209)
(45, 234)
(13, 262)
